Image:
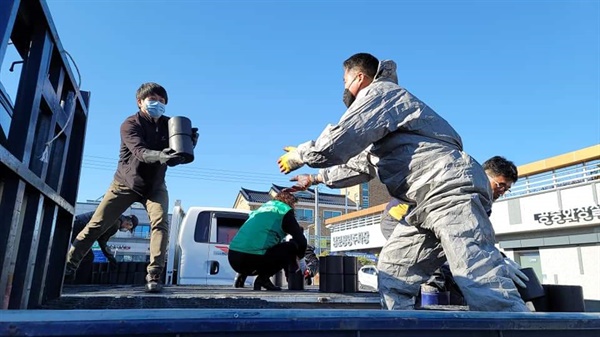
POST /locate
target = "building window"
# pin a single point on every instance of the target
(305, 215)
(331, 214)
(365, 202)
(131, 258)
(142, 231)
(364, 187)
(530, 259)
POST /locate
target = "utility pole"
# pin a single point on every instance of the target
(346, 202)
(317, 223)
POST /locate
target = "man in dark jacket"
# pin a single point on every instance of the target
(140, 177)
(124, 223)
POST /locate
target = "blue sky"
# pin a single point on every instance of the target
(515, 78)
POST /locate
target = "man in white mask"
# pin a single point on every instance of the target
(140, 177)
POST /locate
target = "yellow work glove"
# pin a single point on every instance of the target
(398, 211)
(290, 161)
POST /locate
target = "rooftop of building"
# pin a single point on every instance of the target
(307, 196)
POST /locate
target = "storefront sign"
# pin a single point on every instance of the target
(365, 237)
(350, 240)
(119, 247)
(569, 215)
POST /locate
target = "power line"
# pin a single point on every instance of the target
(190, 172)
(197, 175)
(203, 176)
(105, 160)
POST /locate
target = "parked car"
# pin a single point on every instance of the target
(367, 277)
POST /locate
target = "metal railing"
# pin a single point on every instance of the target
(372, 219)
(582, 173)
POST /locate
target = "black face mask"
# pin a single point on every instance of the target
(348, 98)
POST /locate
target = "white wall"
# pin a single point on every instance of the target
(551, 202)
(561, 266)
(577, 197)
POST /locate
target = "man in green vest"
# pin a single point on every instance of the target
(258, 247)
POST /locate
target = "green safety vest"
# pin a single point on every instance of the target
(262, 230)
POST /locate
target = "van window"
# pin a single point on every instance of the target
(227, 228)
(202, 227)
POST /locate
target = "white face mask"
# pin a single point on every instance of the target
(124, 229)
(155, 108)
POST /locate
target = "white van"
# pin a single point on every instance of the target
(199, 244)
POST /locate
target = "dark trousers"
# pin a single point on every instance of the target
(276, 258)
(116, 200)
(84, 272)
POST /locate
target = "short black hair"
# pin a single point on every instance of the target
(151, 88)
(500, 166)
(134, 221)
(364, 62)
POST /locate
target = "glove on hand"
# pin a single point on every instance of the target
(290, 161)
(304, 181)
(195, 136)
(162, 157)
(515, 273)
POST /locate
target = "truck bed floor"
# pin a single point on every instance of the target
(134, 297)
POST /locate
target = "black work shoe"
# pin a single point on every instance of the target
(69, 275)
(239, 280)
(265, 282)
(153, 284)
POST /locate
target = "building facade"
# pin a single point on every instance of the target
(367, 194)
(550, 221)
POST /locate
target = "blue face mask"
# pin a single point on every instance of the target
(155, 108)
